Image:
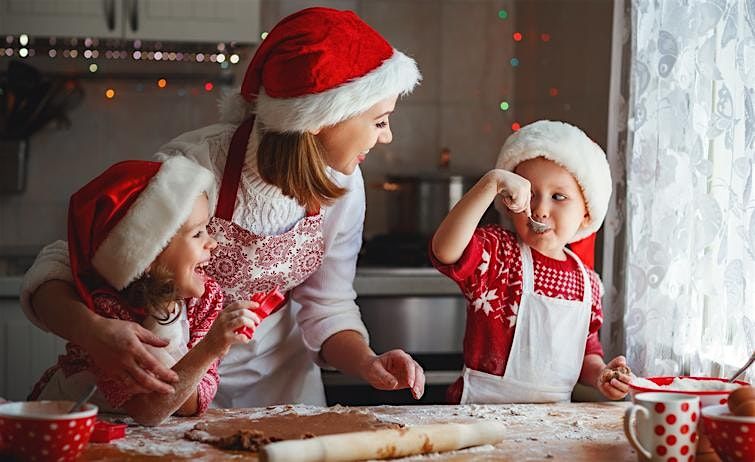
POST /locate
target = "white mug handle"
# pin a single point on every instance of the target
(629, 419)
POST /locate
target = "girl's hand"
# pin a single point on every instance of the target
(514, 189)
(223, 334)
(612, 381)
(394, 370)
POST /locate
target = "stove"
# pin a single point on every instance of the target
(418, 310)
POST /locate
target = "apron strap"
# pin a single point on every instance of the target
(232, 171)
(587, 296)
(528, 269)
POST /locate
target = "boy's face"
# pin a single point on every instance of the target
(189, 250)
(557, 201)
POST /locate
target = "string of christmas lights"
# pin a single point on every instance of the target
(515, 62)
(98, 52)
(92, 48)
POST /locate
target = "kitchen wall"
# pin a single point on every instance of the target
(463, 49)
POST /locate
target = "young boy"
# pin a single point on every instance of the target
(534, 309)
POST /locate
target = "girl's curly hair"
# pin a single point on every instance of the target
(154, 291)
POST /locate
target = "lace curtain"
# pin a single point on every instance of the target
(679, 242)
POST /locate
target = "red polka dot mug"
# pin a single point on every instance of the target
(663, 427)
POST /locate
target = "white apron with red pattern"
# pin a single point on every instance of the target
(275, 367)
(547, 351)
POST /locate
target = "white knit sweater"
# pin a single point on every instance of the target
(326, 297)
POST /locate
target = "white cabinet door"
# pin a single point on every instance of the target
(169, 20)
(193, 20)
(66, 18)
(25, 351)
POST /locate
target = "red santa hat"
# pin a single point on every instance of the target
(318, 67)
(569, 147)
(119, 222)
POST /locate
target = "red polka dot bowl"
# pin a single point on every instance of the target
(732, 437)
(707, 397)
(43, 430)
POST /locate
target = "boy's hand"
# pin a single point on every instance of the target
(613, 382)
(394, 370)
(515, 190)
(235, 316)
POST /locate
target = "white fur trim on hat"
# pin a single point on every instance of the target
(569, 147)
(233, 108)
(152, 221)
(397, 75)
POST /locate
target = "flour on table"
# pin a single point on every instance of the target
(539, 421)
(165, 440)
(535, 426)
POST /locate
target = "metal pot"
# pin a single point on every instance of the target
(417, 204)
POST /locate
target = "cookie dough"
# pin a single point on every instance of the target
(609, 374)
(251, 434)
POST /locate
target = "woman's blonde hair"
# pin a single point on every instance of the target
(295, 162)
(154, 291)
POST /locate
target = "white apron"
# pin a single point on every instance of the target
(275, 367)
(177, 333)
(547, 351)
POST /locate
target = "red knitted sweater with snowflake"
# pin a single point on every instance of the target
(489, 274)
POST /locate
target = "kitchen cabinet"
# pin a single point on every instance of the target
(168, 20)
(25, 351)
(416, 309)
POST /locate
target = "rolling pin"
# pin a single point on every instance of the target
(385, 443)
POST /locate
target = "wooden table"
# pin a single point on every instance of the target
(574, 432)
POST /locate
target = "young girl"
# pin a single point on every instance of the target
(534, 310)
(138, 247)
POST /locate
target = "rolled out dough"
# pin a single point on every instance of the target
(250, 434)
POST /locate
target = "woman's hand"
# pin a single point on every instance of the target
(612, 382)
(514, 189)
(235, 316)
(394, 370)
(117, 349)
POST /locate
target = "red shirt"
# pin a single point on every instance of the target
(489, 274)
(201, 313)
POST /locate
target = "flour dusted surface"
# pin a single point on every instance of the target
(578, 432)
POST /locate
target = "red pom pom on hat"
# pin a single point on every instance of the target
(585, 250)
(119, 222)
(318, 67)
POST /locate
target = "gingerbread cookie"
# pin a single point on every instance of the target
(609, 374)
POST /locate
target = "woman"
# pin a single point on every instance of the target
(288, 213)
